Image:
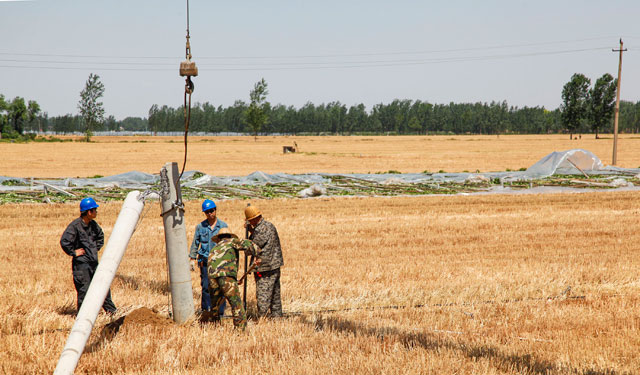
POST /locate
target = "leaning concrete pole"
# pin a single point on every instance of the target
(175, 236)
(99, 287)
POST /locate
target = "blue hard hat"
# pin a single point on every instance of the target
(87, 204)
(207, 205)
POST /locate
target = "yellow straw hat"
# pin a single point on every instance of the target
(222, 234)
(251, 212)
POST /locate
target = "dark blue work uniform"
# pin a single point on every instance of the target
(90, 238)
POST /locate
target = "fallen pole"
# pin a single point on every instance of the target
(175, 236)
(53, 188)
(122, 231)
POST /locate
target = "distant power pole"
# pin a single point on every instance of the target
(615, 118)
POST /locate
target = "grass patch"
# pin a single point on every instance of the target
(13, 182)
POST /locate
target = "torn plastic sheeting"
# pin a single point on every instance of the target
(416, 178)
(128, 179)
(610, 169)
(573, 161)
(314, 190)
(256, 178)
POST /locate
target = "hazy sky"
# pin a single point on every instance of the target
(352, 51)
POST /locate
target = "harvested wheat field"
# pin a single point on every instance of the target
(233, 156)
(404, 285)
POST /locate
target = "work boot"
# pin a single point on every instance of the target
(214, 319)
(205, 316)
(209, 317)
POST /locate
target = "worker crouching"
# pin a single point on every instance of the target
(223, 274)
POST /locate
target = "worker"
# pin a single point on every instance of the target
(265, 236)
(199, 252)
(223, 273)
(82, 240)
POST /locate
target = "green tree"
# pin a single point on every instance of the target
(33, 110)
(154, 119)
(43, 122)
(602, 102)
(111, 124)
(574, 102)
(134, 124)
(90, 106)
(356, 118)
(234, 116)
(629, 117)
(414, 125)
(256, 115)
(336, 114)
(17, 117)
(4, 106)
(65, 124)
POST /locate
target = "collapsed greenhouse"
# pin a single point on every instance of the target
(572, 170)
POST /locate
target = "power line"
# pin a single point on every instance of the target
(293, 65)
(417, 52)
(309, 63)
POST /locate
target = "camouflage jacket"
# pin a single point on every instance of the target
(223, 260)
(266, 237)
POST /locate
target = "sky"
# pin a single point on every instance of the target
(352, 51)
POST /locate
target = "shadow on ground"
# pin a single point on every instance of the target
(161, 287)
(526, 363)
(107, 334)
(69, 308)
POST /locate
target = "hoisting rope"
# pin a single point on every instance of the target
(188, 89)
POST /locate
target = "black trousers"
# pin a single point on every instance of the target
(82, 275)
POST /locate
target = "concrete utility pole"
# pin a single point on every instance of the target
(114, 251)
(175, 236)
(615, 118)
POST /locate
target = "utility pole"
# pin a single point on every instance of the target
(175, 236)
(615, 118)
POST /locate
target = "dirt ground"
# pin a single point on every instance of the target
(133, 320)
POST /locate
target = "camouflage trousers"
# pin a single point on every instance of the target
(227, 287)
(268, 293)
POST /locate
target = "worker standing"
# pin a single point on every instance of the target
(265, 236)
(82, 240)
(223, 273)
(199, 253)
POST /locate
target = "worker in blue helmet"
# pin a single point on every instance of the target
(199, 253)
(82, 240)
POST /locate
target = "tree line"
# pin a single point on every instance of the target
(398, 117)
(583, 110)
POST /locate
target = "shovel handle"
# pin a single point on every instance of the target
(246, 273)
